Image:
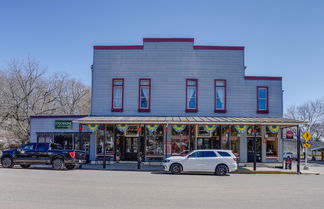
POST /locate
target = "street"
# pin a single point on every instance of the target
(48, 189)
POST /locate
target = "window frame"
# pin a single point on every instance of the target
(193, 110)
(265, 111)
(215, 97)
(113, 109)
(140, 109)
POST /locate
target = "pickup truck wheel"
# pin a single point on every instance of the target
(176, 169)
(58, 164)
(25, 166)
(221, 170)
(7, 162)
(70, 167)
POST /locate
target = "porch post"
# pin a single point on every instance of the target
(298, 149)
(104, 148)
(263, 144)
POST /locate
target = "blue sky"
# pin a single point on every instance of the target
(282, 38)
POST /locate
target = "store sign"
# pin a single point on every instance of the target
(289, 134)
(63, 124)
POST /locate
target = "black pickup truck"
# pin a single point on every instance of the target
(42, 154)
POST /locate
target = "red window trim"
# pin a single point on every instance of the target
(187, 109)
(216, 110)
(139, 95)
(113, 95)
(267, 103)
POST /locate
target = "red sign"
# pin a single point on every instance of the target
(289, 134)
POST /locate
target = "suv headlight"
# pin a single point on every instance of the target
(166, 161)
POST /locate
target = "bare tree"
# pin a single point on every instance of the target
(313, 113)
(26, 91)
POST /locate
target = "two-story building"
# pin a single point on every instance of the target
(169, 96)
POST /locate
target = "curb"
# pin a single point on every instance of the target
(265, 172)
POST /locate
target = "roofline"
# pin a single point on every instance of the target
(57, 116)
(168, 39)
(271, 78)
(202, 47)
(219, 47)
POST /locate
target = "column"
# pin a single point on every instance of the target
(264, 144)
(280, 146)
(243, 148)
(93, 146)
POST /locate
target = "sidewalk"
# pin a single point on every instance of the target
(241, 169)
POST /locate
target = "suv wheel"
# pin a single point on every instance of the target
(58, 164)
(25, 166)
(221, 170)
(175, 168)
(7, 162)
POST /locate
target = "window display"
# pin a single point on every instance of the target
(271, 142)
(180, 140)
(154, 141)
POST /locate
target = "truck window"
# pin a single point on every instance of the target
(56, 147)
(28, 147)
(41, 147)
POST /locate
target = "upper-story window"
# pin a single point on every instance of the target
(117, 95)
(262, 99)
(144, 97)
(220, 96)
(191, 97)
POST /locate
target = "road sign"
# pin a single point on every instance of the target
(289, 134)
(307, 136)
(307, 145)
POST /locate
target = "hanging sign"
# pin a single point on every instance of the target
(93, 127)
(241, 128)
(179, 128)
(152, 128)
(289, 134)
(122, 127)
(274, 128)
(210, 128)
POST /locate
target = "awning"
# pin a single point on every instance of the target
(188, 120)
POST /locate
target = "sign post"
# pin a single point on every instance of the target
(307, 136)
(298, 150)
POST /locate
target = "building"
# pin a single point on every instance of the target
(169, 96)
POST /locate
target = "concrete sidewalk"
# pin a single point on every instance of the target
(241, 169)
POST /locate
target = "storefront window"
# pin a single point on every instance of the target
(154, 142)
(109, 148)
(235, 141)
(180, 141)
(271, 143)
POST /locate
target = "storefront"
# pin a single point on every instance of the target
(61, 130)
(123, 138)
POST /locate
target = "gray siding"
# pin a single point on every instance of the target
(169, 64)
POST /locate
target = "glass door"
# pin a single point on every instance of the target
(258, 149)
(131, 148)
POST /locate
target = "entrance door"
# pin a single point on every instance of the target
(131, 148)
(250, 154)
(203, 143)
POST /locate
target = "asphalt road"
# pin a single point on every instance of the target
(91, 189)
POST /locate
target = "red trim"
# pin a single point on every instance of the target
(219, 47)
(267, 103)
(196, 109)
(139, 95)
(57, 116)
(112, 101)
(119, 47)
(263, 78)
(224, 110)
(168, 40)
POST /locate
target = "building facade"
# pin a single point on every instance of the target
(169, 97)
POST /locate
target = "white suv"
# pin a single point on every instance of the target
(219, 162)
